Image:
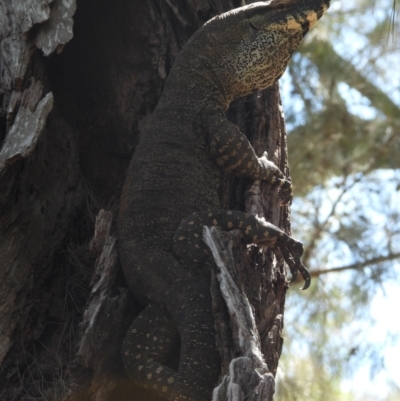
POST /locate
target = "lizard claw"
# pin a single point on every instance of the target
(307, 283)
(293, 279)
(305, 274)
(291, 252)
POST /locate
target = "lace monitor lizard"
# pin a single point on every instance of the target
(171, 190)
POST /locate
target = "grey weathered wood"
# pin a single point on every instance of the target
(258, 276)
(29, 123)
(248, 376)
(17, 18)
(25, 107)
(29, 13)
(106, 269)
(58, 31)
(24, 112)
(109, 304)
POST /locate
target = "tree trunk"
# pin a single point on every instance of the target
(70, 118)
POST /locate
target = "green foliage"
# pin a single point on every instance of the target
(343, 83)
(316, 384)
(342, 106)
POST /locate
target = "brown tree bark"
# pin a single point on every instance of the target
(70, 117)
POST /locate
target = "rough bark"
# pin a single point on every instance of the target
(248, 376)
(259, 276)
(70, 117)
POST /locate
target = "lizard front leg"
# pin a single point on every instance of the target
(233, 152)
(191, 250)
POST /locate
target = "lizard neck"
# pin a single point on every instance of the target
(206, 92)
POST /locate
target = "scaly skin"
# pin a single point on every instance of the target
(171, 190)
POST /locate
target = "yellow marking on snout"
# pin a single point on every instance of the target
(293, 24)
(312, 18)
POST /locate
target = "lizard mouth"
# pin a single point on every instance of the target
(322, 10)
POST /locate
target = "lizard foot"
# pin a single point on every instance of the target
(291, 251)
(285, 189)
(277, 178)
(192, 251)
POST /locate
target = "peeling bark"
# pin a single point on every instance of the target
(105, 321)
(252, 282)
(40, 186)
(69, 124)
(29, 123)
(29, 13)
(58, 30)
(248, 376)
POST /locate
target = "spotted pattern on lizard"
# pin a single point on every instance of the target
(171, 190)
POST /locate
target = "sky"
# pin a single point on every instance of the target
(384, 310)
(367, 381)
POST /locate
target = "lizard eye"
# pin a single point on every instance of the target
(281, 6)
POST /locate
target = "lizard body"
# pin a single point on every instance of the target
(171, 190)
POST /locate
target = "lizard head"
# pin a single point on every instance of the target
(251, 46)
